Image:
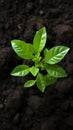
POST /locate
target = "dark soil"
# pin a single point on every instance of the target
(29, 109)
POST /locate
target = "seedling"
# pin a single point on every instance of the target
(45, 69)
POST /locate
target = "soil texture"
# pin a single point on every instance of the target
(29, 109)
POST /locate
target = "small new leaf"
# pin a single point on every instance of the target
(29, 83)
(20, 70)
(45, 51)
(34, 70)
(56, 54)
(36, 57)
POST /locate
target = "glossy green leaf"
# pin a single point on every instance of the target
(41, 83)
(56, 54)
(39, 40)
(34, 70)
(20, 70)
(22, 49)
(29, 83)
(56, 71)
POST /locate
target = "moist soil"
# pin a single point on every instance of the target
(29, 109)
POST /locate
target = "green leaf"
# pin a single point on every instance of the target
(56, 54)
(40, 65)
(45, 51)
(36, 57)
(22, 49)
(50, 80)
(20, 70)
(56, 71)
(39, 40)
(41, 83)
(29, 83)
(34, 70)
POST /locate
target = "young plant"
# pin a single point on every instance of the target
(45, 68)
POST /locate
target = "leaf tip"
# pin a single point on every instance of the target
(12, 41)
(68, 48)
